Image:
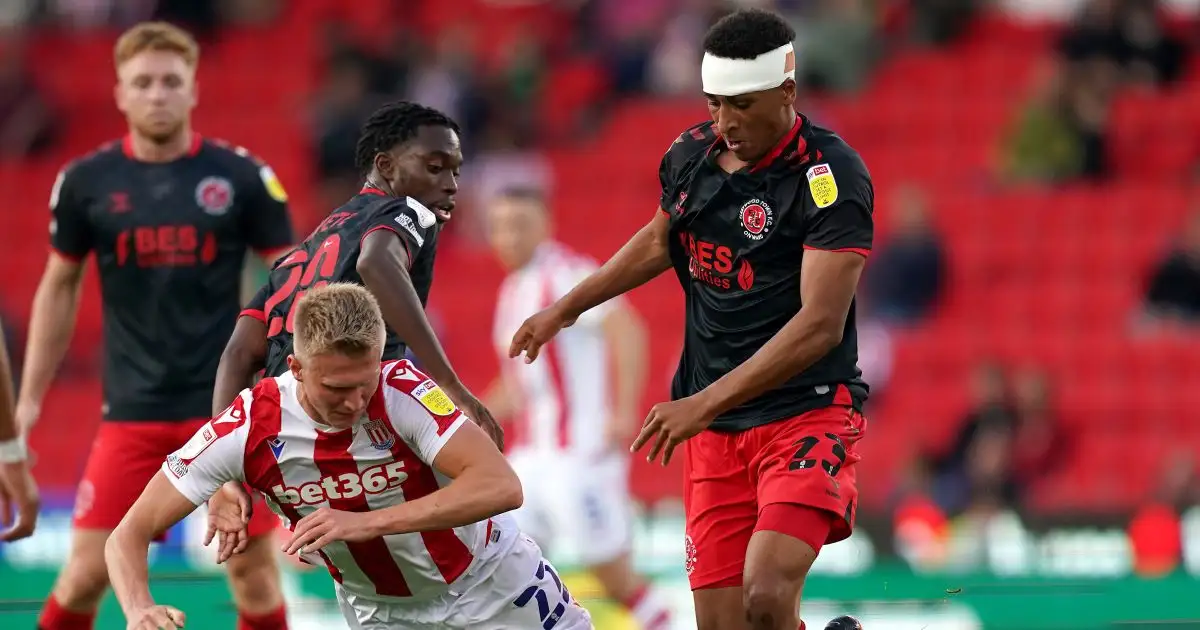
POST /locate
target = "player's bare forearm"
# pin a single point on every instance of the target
(159, 507)
(827, 285)
(51, 325)
(626, 338)
(383, 266)
(8, 421)
(644, 257)
(125, 553)
(242, 358)
(483, 486)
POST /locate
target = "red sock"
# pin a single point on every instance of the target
(274, 620)
(55, 617)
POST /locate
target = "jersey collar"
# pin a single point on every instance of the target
(193, 148)
(791, 145)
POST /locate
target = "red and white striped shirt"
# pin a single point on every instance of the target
(564, 395)
(266, 440)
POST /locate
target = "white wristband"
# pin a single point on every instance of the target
(12, 451)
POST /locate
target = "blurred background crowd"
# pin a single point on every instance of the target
(1030, 317)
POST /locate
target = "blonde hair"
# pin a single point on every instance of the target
(341, 318)
(156, 36)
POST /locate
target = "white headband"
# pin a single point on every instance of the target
(731, 77)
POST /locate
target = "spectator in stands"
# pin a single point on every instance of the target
(1060, 135)
(1173, 293)
(1039, 444)
(972, 474)
(1128, 34)
(837, 45)
(26, 119)
(907, 276)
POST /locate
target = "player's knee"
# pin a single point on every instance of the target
(254, 577)
(84, 578)
(770, 601)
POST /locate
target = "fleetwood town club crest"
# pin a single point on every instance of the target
(214, 195)
(757, 219)
(380, 434)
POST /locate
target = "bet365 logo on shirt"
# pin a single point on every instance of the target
(373, 480)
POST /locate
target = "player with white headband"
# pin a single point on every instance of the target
(766, 220)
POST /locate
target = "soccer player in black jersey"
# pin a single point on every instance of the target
(384, 238)
(18, 490)
(767, 222)
(169, 217)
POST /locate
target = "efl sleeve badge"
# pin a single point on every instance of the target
(822, 185)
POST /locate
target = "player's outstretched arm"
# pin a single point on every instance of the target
(383, 266)
(483, 486)
(242, 358)
(159, 507)
(642, 259)
(18, 490)
(51, 325)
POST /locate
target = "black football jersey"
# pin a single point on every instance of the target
(737, 241)
(330, 254)
(170, 241)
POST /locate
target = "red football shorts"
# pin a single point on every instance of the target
(124, 458)
(729, 478)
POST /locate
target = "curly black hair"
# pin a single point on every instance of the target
(392, 125)
(748, 33)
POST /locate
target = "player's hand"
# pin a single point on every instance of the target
(477, 412)
(537, 331)
(27, 415)
(156, 618)
(19, 500)
(229, 512)
(671, 423)
(327, 525)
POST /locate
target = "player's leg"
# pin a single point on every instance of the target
(601, 522)
(117, 470)
(719, 504)
(804, 470)
(254, 577)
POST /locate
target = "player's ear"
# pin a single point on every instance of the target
(119, 97)
(789, 92)
(295, 367)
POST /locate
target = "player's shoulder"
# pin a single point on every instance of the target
(404, 381)
(235, 155)
(824, 147)
(693, 143)
(394, 208)
(99, 160)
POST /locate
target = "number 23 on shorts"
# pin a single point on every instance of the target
(550, 605)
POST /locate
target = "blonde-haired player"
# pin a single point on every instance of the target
(570, 447)
(380, 478)
(170, 217)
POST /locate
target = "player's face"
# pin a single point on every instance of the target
(752, 123)
(515, 228)
(335, 386)
(156, 90)
(426, 169)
